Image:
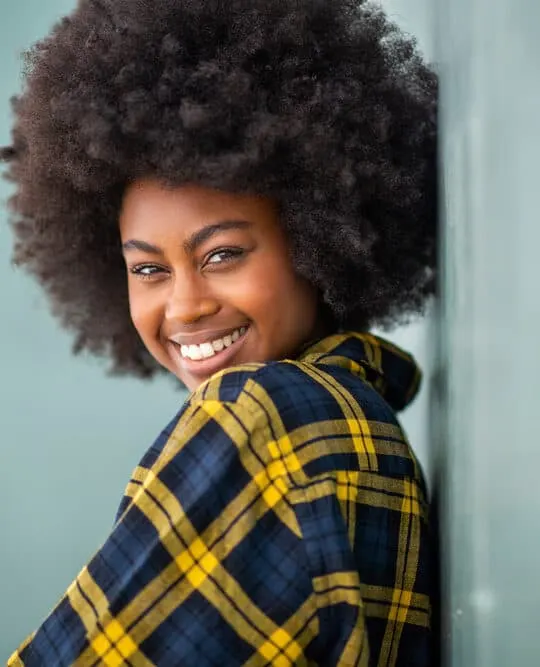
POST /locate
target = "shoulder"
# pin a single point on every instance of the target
(296, 393)
(270, 416)
(283, 382)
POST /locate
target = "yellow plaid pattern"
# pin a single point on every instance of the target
(280, 520)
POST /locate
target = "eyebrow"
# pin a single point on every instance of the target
(194, 241)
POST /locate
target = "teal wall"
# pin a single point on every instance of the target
(70, 436)
(489, 359)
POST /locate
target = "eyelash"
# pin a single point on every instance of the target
(138, 271)
(231, 255)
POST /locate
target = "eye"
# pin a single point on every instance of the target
(223, 255)
(147, 271)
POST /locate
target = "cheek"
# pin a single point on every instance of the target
(145, 314)
(276, 294)
(259, 289)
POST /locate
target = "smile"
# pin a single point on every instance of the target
(211, 348)
(205, 359)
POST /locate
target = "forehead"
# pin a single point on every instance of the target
(152, 206)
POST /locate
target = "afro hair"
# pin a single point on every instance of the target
(326, 107)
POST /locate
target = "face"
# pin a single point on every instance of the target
(211, 282)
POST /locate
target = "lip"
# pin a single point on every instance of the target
(204, 368)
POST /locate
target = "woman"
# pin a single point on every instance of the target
(264, 175)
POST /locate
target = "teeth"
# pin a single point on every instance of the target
(194, 352)
(218, 345)
(206, 350)
(209, 349)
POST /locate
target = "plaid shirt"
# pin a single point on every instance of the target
(280, 519)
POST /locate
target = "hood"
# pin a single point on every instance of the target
(393, 373)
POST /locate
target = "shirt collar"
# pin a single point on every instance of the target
(392, 372)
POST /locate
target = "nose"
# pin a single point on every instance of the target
(189, 300)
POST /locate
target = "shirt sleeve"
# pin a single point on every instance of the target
(225, 554)
(205, 566)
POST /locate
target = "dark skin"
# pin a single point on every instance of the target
(211, 281)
